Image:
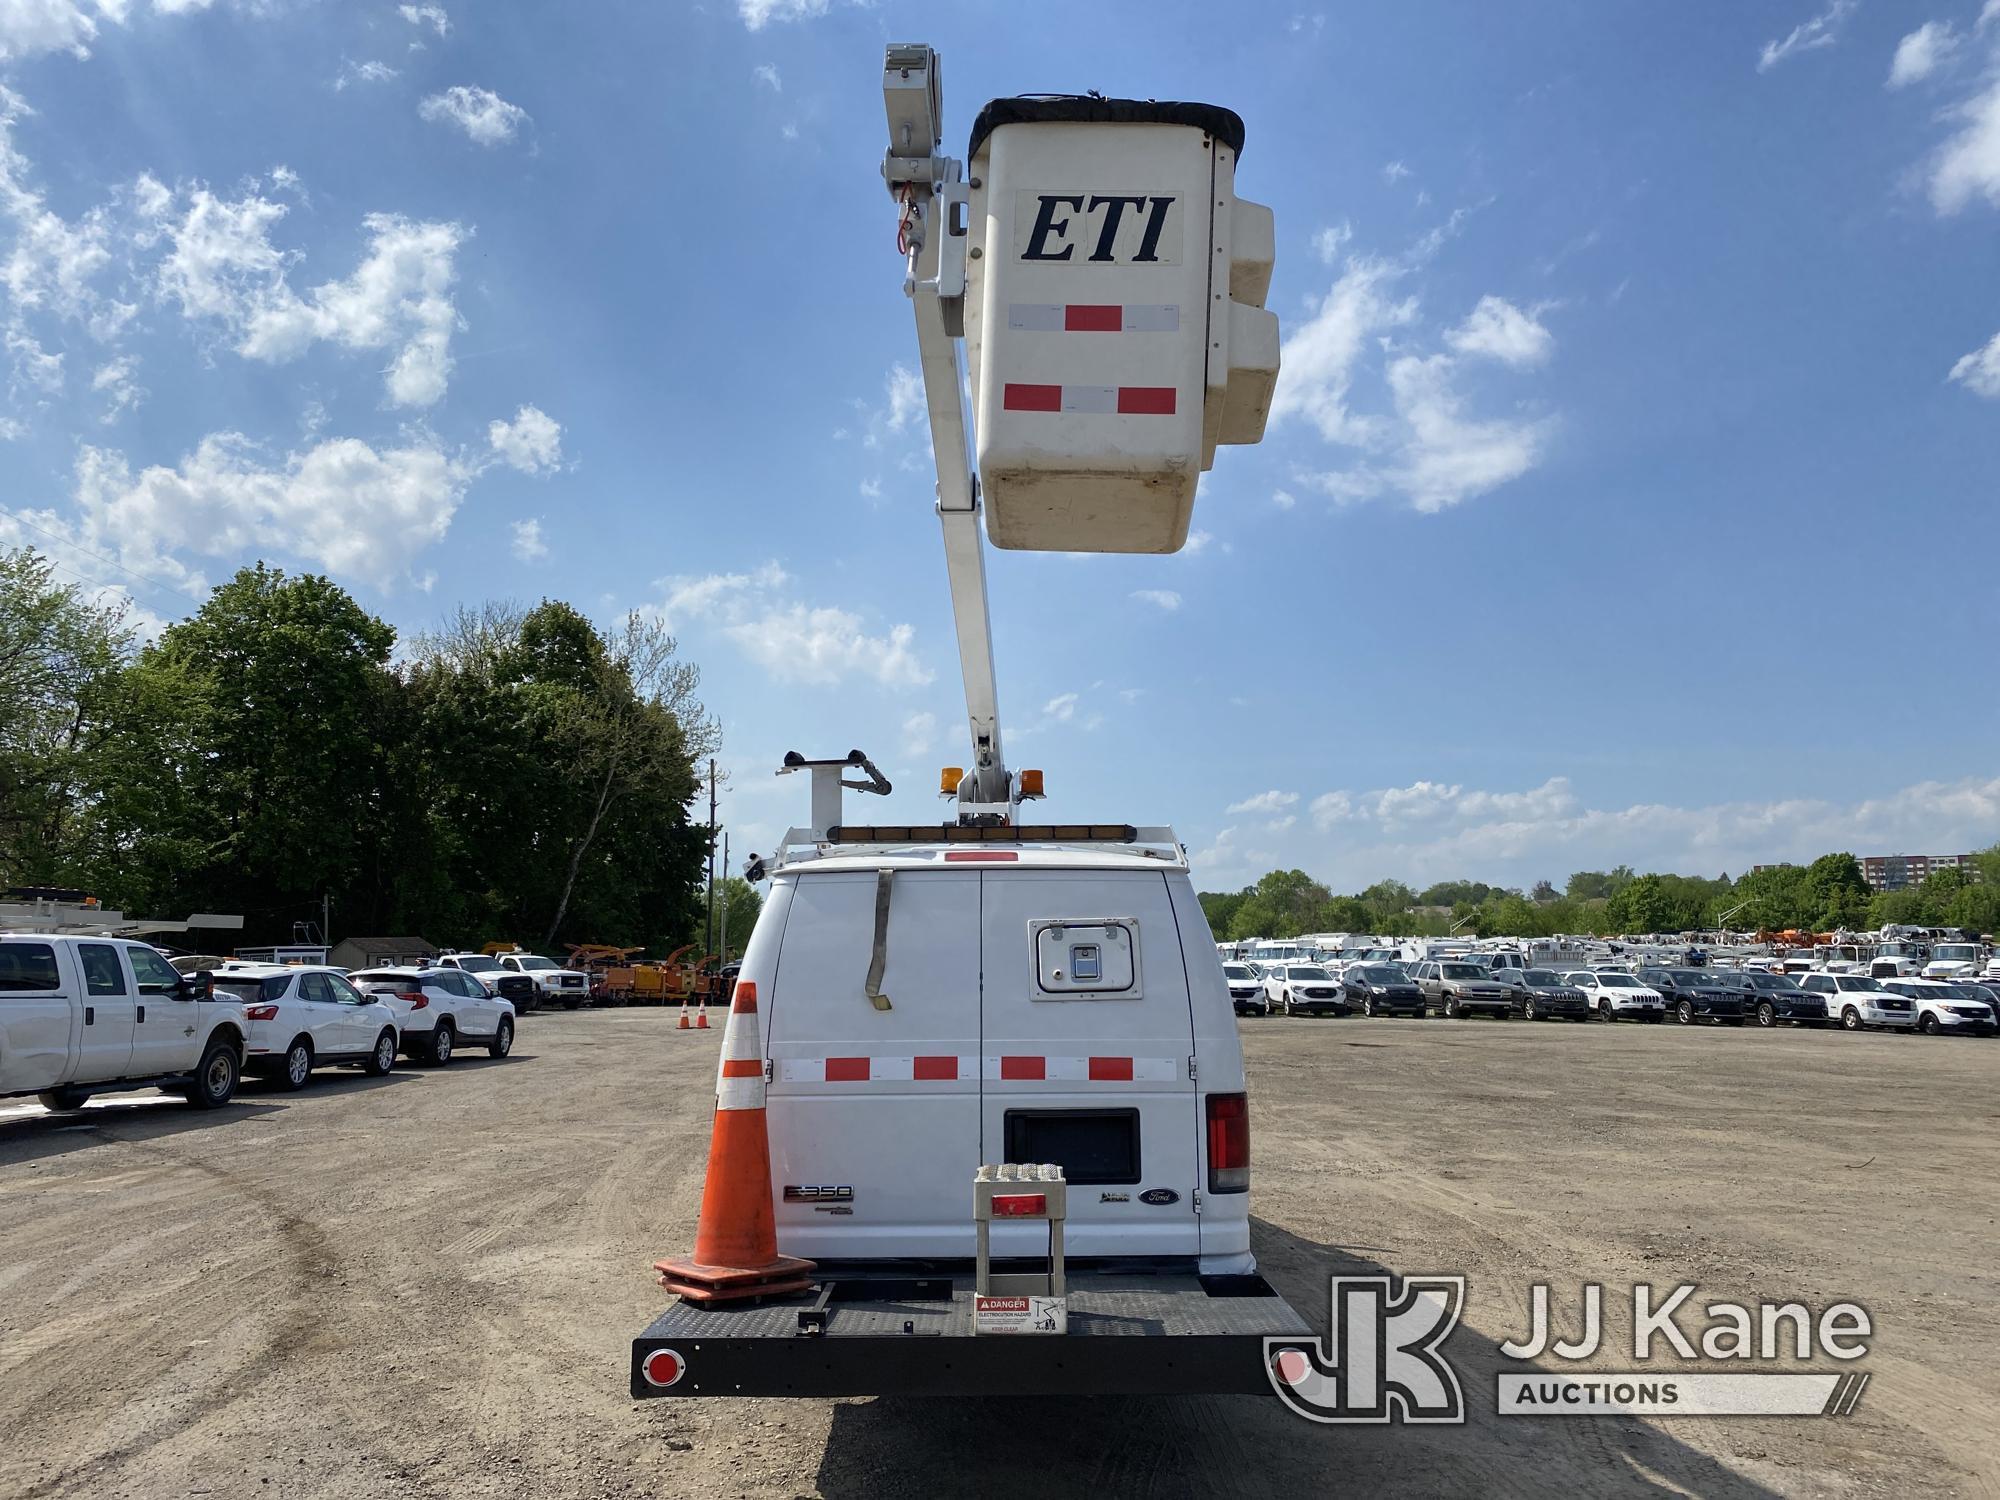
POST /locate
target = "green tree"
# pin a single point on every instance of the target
(1543, 893)
(736, 898)
(1220, 908)
(1283, 904)
(61, 656)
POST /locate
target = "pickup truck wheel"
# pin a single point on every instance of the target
(298, 1065)
(383, 1058)
(215, 1076)
(1767, 1014)
(439, 1051)
(503, 1039)
(64, 1100)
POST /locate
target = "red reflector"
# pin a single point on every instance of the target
(847, 1070)
(1146, 400)
(981, 856)
(1084, 317)
(1031, 397)
(1111, 1069)
(932, 1069)
(662, 1368)
(261, 1013)
(1228, 1143)
(1020, 1205)
(1024, 1067)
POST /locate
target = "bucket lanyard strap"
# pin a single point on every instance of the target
(879, 958)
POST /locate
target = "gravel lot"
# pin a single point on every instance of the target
(425, 1285)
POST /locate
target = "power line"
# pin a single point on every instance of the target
(16, 517)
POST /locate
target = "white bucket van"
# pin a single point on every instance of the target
(933, 1003)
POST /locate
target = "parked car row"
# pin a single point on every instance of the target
(85, 1015)
(1689, 995)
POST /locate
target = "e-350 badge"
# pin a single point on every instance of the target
(826, 1199)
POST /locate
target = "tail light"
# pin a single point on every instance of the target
(1229, 1143)
(260, 1013)
(417, 998)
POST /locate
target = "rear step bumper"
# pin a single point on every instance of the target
(872, 1336)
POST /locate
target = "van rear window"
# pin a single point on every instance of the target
(1091, 1145)
(28, 967)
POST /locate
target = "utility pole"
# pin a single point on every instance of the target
(325, 920)
(709, 905)
(722, 949)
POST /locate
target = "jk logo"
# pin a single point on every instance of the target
(1382, 1362)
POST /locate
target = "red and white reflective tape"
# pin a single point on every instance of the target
(1099, 400)
(1006, 1067)
(739, 1077)
(1094, 317)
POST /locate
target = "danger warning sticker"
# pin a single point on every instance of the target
(1020, 1314)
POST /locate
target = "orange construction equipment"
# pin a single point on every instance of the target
(736, 1239)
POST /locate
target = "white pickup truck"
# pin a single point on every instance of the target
(569, 988)
(85, 1015)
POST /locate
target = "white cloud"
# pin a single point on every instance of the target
(1319, 360)
(29, 28)
(1284, 499)
(1329, 242)
(53, 261)
(906, 396)
(527, 544)
(482, 114)
(1197, 543)
(1450, 458)
(35, 369)
(433, 16)
(1967, 166)
(757, 14)
(341, 504)
(1165, 599)
(767, 73)
(1922, 53)
(1273, 802)
(532, 442)
(919, 733)
(114, 381)
(793, 641)
(1061, 708)
(1497, 329)
(871, 489)
(1432, 830)
(1979, 371)
(223, 267)
(1823, 30)
(1394, 171)
(352, 73)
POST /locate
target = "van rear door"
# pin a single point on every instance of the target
(874, 1113)
(1088, 1052)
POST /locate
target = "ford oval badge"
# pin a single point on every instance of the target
(1159, 1197)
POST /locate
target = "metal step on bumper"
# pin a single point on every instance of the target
(870, 1335)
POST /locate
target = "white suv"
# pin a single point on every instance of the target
(301, 1016)
(439, 1008)
(84, 1015)
(1612, 993)
(1855, 1001)
(1943, 1007)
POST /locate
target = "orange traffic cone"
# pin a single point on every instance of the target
(701, 1016)
(736, 1240)
(684, 1017)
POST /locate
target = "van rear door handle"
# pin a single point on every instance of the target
(142, 1015)
(90, 1015)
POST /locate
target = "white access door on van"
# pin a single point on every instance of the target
(1088, 1037)
(874, 1113)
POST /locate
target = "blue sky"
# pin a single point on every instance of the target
(1629, 495)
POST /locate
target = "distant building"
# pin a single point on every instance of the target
(1895, 872)
(380, 952)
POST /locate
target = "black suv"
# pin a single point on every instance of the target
(1697, 995)
(1544, 996)
(1382, 990)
